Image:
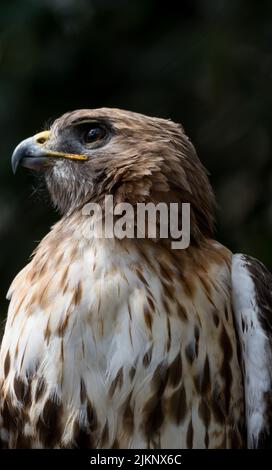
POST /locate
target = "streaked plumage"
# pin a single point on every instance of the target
(127, 343)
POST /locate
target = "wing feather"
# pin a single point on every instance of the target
(252, 304)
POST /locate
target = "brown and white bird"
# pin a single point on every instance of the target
(128, 343)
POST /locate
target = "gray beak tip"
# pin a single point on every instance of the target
(24, 149)
(15, 160)
(14, 166)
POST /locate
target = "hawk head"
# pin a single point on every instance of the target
(88, 154)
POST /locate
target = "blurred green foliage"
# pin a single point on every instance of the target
(203, 63)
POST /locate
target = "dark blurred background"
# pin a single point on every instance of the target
(207, 64)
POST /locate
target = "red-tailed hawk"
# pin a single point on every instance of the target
(126, 342)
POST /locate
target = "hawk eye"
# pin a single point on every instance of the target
(94, 134)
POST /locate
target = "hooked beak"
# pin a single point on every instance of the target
(32, 153)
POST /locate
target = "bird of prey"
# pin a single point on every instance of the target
(125, 342)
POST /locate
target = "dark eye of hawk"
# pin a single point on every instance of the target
(94, 133)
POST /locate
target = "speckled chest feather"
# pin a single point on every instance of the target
(121, 344)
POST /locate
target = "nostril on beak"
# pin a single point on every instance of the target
(42, 137)
(41, 140)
